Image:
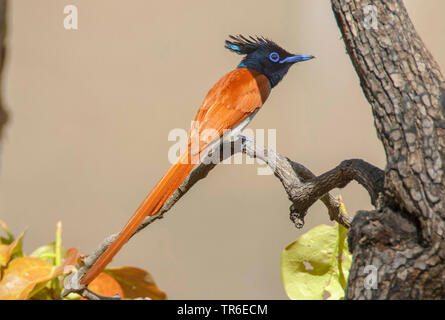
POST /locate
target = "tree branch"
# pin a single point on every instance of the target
(301, 185)
(311, 190)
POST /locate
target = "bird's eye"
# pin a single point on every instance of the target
(274, 57)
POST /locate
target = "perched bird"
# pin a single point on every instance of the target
(229, 105)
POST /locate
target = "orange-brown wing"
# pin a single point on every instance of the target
(233, 98)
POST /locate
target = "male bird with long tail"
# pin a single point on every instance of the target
(229, 105)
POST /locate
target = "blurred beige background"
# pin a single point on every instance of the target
(91, 110)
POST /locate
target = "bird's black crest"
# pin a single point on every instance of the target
(243, 45)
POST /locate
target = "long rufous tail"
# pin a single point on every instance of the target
(151, 205)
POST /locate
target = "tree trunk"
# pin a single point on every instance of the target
(403, 239)
(3, 114)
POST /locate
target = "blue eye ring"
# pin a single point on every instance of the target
(274, 57)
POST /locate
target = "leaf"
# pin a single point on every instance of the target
(105, 285)
(45, 294)
(70, 261)
(48, 253)
(53, 253)
(23, 275)
(8, 251)
(3, 256)
(73, 296)
(136, 283)
(10, 238)
(316, 265)
(58, 244)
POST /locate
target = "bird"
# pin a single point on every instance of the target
(229, 106)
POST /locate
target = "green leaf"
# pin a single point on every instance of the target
(44, 294)
(72, 296)
(48, 253)
(58, 247)
(10, 237)
(52, 253)
(316, 265)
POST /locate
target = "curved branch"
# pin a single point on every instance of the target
(301, 185)
(371, 177)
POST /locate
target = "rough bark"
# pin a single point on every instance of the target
(404, 237)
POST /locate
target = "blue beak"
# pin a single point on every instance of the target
(297, 58)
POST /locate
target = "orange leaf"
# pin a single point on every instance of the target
(136, 283)
(6, 250)
(106, 286)
(69, 263)
(23, 274)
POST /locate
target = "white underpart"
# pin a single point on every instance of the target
(230, 134)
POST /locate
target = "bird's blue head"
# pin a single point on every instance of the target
(264, 56)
